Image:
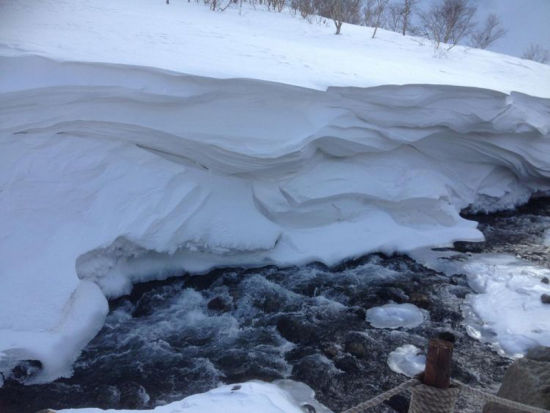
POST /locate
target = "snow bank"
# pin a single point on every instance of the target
(407, 360)
(249, 397)
(117, 174)
(258, 44)
(507, 310)
(396, 316)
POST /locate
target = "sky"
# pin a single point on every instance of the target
(527, 21)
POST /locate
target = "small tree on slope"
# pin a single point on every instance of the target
(449, 21)
(489, 33)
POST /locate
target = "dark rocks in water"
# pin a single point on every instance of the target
(526, 381)
(545, 280)
(330, 350)
(25, 369)
(447, 336)
(186, 335)
(355, 346)
(308, 408)
(108, 395)
(133, 395)
(420, 300)
(348, 364)
(545, 298)
(296, 330)
(315, 369)
(539, 354)
(219, 304)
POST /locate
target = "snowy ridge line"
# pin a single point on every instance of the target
(111, 175)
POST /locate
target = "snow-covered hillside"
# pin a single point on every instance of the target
(113, 174)
(278, 47)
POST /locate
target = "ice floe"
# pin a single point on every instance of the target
(407, 360)
(396, 316)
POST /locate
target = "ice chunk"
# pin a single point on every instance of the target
(407, 360)
(395, 316)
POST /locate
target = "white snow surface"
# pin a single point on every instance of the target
(113, 174)
(257, 44)
(249, 397)
(394, 315)
(407, 360)
(506, 309)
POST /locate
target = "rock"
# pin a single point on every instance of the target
(330, 350)
(545, 298)
(447, 336)
(219, 304)
(539, 354)
(348, 364)
(107, 395)
(356, 348)
(269, 304)
(526, 381)
(308, 408)
(133, 395)
(420, 300)
(46, 411)
(360, 313)
(545, 280)
(25, 370)
(296, 331)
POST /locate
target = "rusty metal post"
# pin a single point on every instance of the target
(435, 394)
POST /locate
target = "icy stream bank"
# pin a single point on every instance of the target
(170, 339)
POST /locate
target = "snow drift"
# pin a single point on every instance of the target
(284, 396)
(112, 174)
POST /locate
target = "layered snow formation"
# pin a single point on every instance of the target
(407, 360)
(253, 43)
(249, 397)
(396, 316)
(111, 175)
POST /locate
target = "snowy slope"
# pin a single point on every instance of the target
(113, 174)
(258, 44)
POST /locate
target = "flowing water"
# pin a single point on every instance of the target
(188, 334)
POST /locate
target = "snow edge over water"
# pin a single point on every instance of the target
(121, 174)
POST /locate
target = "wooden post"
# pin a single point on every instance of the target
(435, 394)
(438, 364)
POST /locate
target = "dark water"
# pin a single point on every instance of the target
(189, 334)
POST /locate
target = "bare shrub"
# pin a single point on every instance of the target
(340, 11)
(306, 8)
(399, 15)
(491, 31)
(378, 7)
(449, 21)
(537, 53)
